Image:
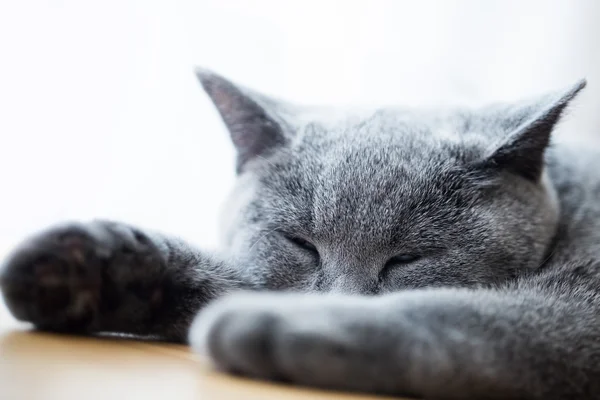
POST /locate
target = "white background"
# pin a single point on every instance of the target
(101, 115)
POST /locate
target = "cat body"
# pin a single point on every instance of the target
(443, 253)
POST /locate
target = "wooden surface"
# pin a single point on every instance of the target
(42, 366)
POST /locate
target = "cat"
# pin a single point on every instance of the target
(439, 253)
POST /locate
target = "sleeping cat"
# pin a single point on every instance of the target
(447, 254)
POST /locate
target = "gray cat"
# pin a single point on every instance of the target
(447, 254)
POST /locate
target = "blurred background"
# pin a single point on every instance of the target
(101, 115)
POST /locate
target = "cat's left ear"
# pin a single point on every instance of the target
(529, 126)
(258, 125)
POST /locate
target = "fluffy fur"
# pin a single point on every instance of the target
(437, 253)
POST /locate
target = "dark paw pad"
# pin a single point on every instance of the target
(65, 278)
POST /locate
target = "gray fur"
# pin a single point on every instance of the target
(495, 295)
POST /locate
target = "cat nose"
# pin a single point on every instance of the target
(353, 285)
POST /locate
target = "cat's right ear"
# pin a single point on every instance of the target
(255, 122)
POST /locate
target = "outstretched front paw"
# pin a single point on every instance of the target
(317, 340)
(70, 277)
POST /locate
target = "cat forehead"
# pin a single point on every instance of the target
(337, 180)
(359, 167)
(380, 153)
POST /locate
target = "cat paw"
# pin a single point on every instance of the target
(305, 339)
(67, 278)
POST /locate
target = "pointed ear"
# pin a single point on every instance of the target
(254, 121)
(522, 152)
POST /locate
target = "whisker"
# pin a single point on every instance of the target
(261, 238)
(267, 160)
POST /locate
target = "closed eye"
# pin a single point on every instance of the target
(303, 243)
(398, 261)
(401, 259)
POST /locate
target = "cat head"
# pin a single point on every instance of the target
(387, 199)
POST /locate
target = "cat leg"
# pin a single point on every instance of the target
(110, 277)
(437, 343)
